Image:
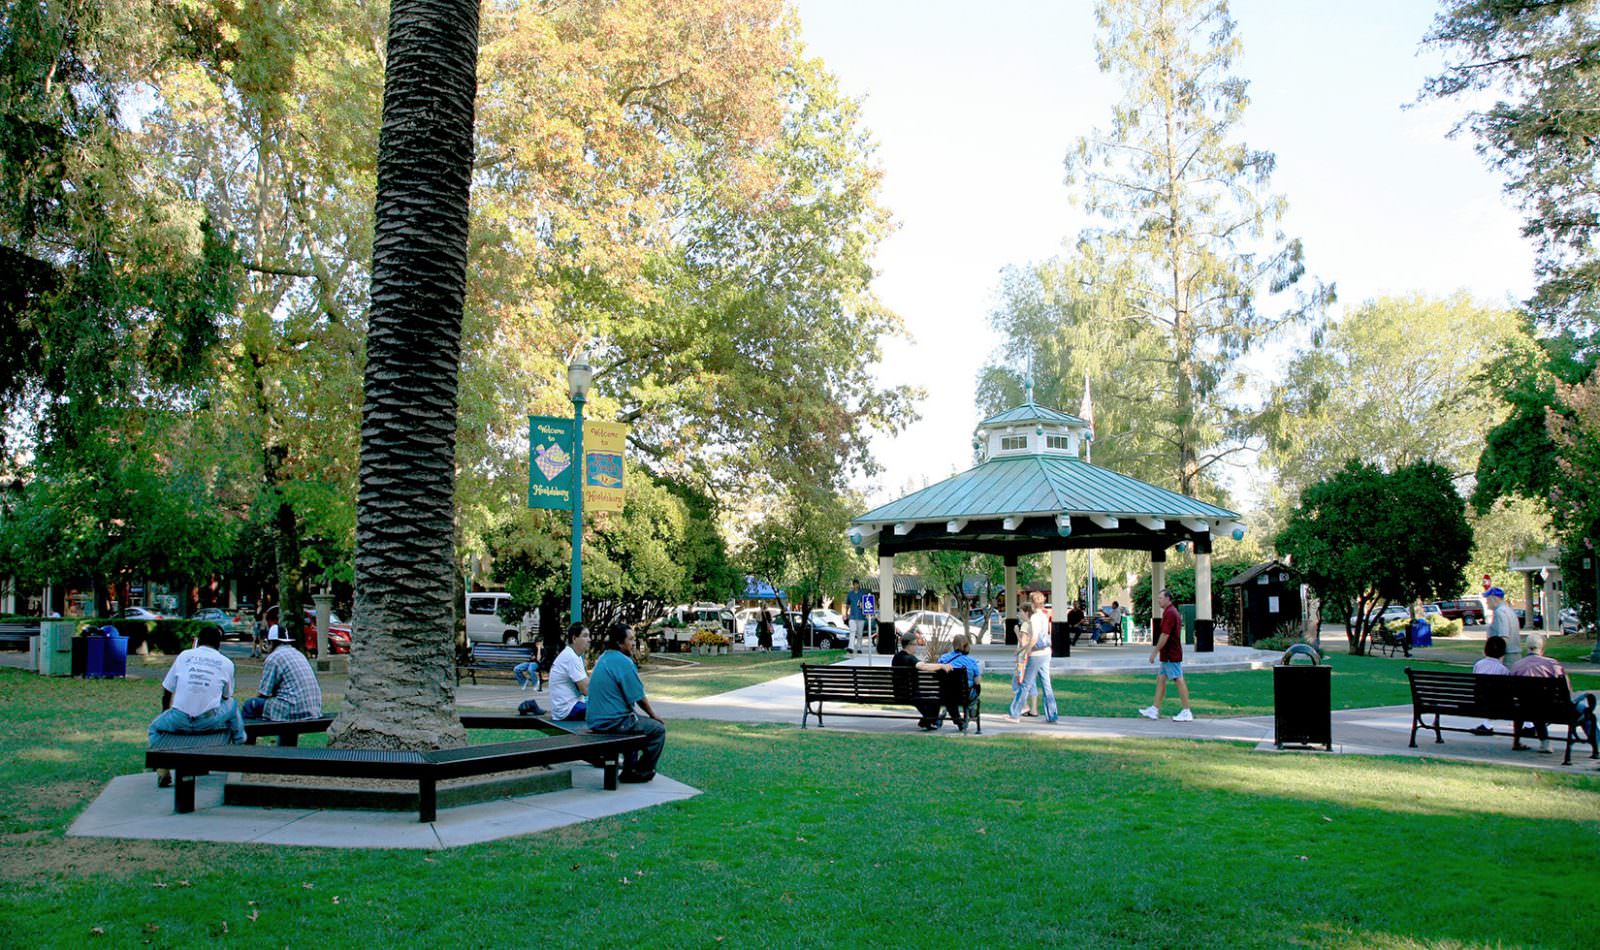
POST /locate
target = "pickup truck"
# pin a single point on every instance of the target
(673, 630)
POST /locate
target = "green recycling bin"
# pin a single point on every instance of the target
(1127, 627)
(55, 647)
(1187, 611)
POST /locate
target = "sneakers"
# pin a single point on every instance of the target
(1482, 730)
(1184, 715)
(1150, 712)
(525, 685)
(636, 778)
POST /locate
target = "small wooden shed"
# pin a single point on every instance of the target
(1269, 597)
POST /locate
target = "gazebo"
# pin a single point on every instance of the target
(1032, 493)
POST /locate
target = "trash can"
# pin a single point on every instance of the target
(80, 656)
(55, 647)
(1127, 628)
(1302, 700)
(107, 654)
(1187, 611)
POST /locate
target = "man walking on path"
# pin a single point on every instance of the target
(1503, 621)
(1169, 649)
(857, 616)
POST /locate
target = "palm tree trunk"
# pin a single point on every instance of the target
(401, 672)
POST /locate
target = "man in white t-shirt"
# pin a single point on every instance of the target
(569, 681)
(197, 695)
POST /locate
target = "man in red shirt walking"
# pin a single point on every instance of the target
(1169, 648)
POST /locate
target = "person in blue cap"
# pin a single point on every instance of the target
(1503, 622)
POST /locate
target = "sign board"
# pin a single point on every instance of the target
(550, 462)
(1488, 582)
(869, 605)
(755, 589)
(602, 465)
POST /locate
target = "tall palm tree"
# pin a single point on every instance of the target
(401, 693)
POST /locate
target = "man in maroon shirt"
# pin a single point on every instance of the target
(1169, 648)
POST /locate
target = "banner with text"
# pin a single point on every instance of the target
(550, 462)
(602, 464)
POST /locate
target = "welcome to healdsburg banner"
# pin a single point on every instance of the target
(550, 462)
(551, 465)
(602, 465)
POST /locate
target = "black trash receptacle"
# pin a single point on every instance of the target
(80, 655)
(1302, 701)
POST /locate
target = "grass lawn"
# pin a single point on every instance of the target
(825, 838)
(710, 675)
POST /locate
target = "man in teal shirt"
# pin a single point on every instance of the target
(614, 691)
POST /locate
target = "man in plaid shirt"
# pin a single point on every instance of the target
(289, 688)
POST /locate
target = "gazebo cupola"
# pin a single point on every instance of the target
(1029, 429)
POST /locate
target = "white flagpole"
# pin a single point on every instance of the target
(1087, 411)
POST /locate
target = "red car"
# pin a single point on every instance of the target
(1466, 610)
(338, 631)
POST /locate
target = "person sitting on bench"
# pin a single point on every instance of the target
(614, 691)
(1075, 623)
(1537, 664)
(1490, 664)
(197, 696)
(932, 718)
(288, 688)
(960, 663)
(569, 681)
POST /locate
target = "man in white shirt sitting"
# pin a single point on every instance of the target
(1490, 664)
(197, 696)
(569, 681)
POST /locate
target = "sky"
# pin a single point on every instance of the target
(975, 106)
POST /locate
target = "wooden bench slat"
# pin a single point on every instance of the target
(874, 686)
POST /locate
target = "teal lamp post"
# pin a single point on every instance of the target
(579, 376)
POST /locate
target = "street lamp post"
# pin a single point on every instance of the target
(579, 376)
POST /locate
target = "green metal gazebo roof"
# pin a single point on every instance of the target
(1030, 412)
(1012, 504)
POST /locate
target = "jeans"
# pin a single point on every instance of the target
(224, 718)
(642, 762)
(526, 673)
(1038, 666)
(858, 631)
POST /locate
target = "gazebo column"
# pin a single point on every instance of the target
(886, 644)
(1204, 627)
(1527, 600)
(1158, 582)
(1011, 599)
(1060, 596)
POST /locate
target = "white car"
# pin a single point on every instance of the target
(829, 617)
(932, 625)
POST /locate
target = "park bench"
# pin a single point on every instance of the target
(191, 756)
(884, 686)
(286, 731)
(15, 635)
(1394, 641)
(494, 658)
(1514, 699)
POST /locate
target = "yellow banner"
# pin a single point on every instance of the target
(602, 465)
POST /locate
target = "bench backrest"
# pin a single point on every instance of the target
(1493, 697)
(886, 685)
(500, 653)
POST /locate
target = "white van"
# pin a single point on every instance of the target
(490, 620)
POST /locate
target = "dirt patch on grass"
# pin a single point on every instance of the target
(38, 856)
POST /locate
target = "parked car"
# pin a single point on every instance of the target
(1522, 617)
(981, 617)
(138, 613)
(931, 625)
(1431, 610)
(824, 636)
(829, 618)
(1465, 609)
(1568, 620)
(493, 617)
(338, 630)
(235, 624)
